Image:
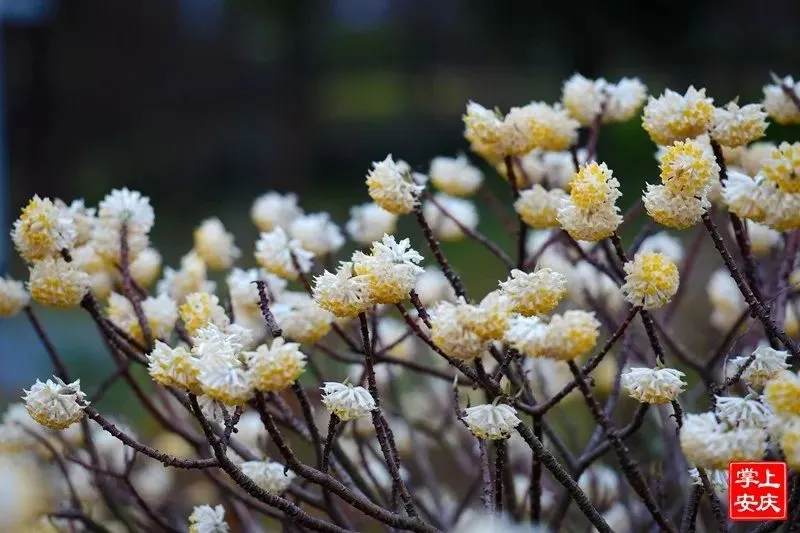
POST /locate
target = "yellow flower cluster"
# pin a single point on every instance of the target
(537, 293)
(783, 168)
(783, 394)
(572, 334)
(538, 207)
(523, 129)
(688, 168)
(651, 280)
(673, 117)
(57, 283)
(276, 367)
(590, 213)
(201, 309)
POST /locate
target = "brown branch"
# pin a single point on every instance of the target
(474, 234)
(522, 230)
(382, 429)
(433, 244)
(563, 477)
(629, 466)
(263, 304)
(292, 511)
(55, 359)
(130, 292)
(164, 458)
(757, 309)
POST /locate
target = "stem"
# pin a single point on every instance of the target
(590, 365)
(164, 458)
(757, 309)
(522, 232)
(263, 304)
(475, 235)
(130, 292)
(486, 476)
(333, 425)
(382, 429)
(563, 477)
(739, 230)
(421, 311)
(689, 522)
(686, 271)
(716, 507)
(58, 364)
(629, 466)
(535, 489)
(499, 468)
(433, 244)
(291, 510)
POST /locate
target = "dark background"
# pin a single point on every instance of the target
(204, 104)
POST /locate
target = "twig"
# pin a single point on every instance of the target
(164, 458)
(263, 304)
(689, 521)
(757, 309)
(433, 244)
(499, 469)
(739, 230)
(130, 292)
(629, 467)
(522, 230)
(475, 235)
(716, 506)
(382, 429)
(291, 510)
(563, 477)
(486, 477)
(55, 359)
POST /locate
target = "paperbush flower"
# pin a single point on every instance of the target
(345, 294)
(738, 126)
(207, 519)
(536, 293)
(275, 253)
(215, 245)
(491, 421)
(590, 213)
(538, 207)
(455, 175)
(57, 283)
(782, 393)
(13, 297)
(674, 117)
(779, 104)
(43, 230)
(346, 401)
(651, 280)
(270, 476)
(653, 385)
(274, 210)
(369, 222)
(55, 404)
(276, 367)
(391, 186)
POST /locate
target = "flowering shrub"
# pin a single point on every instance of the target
(377, 390)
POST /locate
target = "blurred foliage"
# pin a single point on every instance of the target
(303, 95)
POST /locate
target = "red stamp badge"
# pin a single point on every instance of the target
(757, 491)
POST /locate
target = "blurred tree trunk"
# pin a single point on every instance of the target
(35, 148)
(294, 142)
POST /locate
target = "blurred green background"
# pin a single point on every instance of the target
(205, 104)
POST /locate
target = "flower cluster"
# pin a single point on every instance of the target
(590, 213)
(395, 339)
